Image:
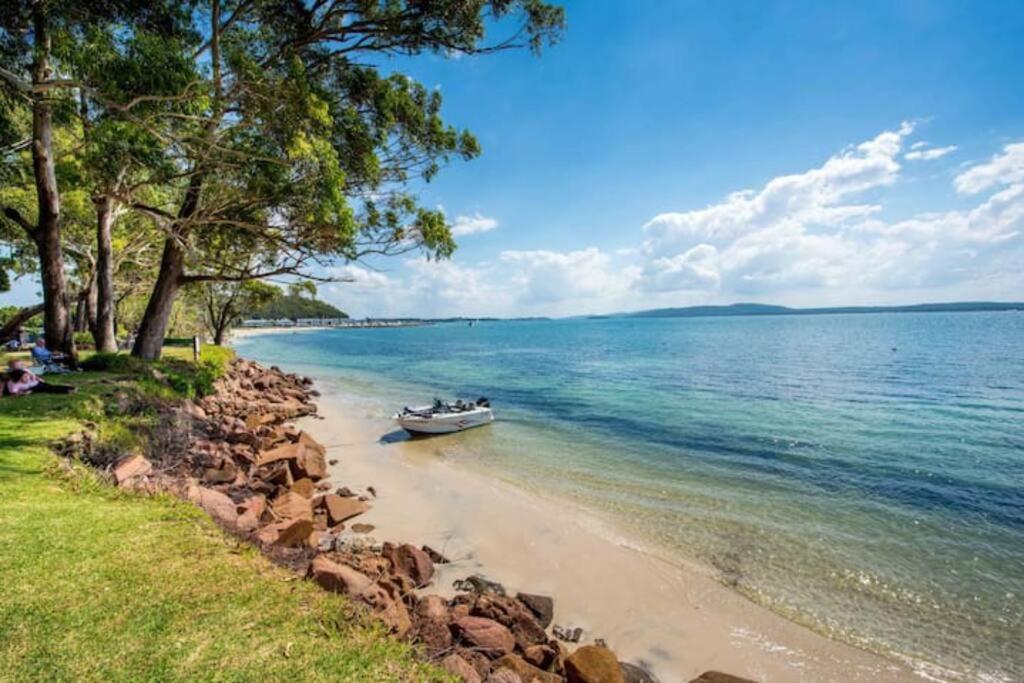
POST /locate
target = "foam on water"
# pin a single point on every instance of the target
(862, 475)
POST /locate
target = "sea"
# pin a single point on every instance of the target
(862, 475)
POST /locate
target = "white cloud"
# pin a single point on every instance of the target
(1001, 169)
(919, 154)
(817, 237)
(468, 225)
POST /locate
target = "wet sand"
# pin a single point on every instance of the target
(669, 616)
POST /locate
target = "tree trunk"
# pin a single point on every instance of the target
(56, 323)
(153, 327)
(103, 332)
(81, 314)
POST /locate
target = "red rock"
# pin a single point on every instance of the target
(303, 487)
(512, 614)
(289, 451)
(292, 505)
(719, 677)
(250, 511)
(311, 464)
(504, 675)
(432, 607)
(458, 666)
(410, 561)
(290, 533)
(132, 466)
(486, 634)
(542, 606)
(226, 473)
(339, 509)
(339, 578)
(541, 656)
(362, 528)
(593, 664)
(525, 670)
(312, 444)
(218, 505)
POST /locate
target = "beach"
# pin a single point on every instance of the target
(672, 618)
(810, 506)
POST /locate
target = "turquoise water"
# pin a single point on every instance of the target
(861, 474)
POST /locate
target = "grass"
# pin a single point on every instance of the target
(99, 584)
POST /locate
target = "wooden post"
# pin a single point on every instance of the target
(196, 348)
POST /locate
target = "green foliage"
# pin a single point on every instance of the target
(293, 307)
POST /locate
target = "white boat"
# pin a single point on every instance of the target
(445, 418)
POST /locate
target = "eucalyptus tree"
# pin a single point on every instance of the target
(302, 150)
(37, 39)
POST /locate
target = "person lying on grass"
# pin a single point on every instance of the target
(20, 381)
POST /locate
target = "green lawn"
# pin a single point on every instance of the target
(96, 584)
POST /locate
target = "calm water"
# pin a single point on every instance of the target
(861, 474)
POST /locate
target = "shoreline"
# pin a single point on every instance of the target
(670, 617)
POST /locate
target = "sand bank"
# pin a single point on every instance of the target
(669, 616)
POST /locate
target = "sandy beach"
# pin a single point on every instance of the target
(671, 617)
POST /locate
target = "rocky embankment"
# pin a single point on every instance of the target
(263, 479)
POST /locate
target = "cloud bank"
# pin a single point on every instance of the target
(816, 237)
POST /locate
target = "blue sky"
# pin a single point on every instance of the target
(611, 163)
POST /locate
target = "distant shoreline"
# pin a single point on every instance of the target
(747, 309)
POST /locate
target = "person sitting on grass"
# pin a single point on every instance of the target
(47, 359)
(20, 381)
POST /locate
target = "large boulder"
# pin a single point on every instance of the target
(486, 635)
(525, 670)
(217, 504)
(719, 677)
(456, 665)
(131, 467)
(290, 533)
(410, 561)
(512, 614)
(340, 509)
(542, 606)
(292, 505)
(339, 578)
(593, 664)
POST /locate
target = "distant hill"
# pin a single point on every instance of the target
(293, 307)
(767, 309)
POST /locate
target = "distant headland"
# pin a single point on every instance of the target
(741, 309)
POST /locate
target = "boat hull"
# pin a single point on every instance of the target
(444, 424)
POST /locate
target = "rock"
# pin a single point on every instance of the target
(485, 634)
(511, 614)
(410, 561)
(344, 492)
(432, 607)
(541, 656)
(250, 512)
(339, 578)
(226, 473)
(332, 462)
(504, 676)
(478, 584)
(362, 528)
(312, 444)
(372, 491)
(339, 509)
(289, 451)
(130, 467)
(311, 463)
(218, 505)
(435, 557)
(593, 664)
(292, 505)
(634, 673)
(458, 666)
(290, 533)
(542, 606)
(304, 487)
(568, 634)
(525, 670)
(719, 677)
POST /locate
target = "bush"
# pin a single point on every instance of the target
(114, 362)
(84, 340)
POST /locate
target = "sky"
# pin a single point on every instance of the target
(680, 153)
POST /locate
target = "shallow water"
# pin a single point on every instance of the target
(861, 474)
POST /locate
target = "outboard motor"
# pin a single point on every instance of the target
(483, 402)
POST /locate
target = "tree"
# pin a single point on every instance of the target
(223, 303)
(36, 40)
(299, 149)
